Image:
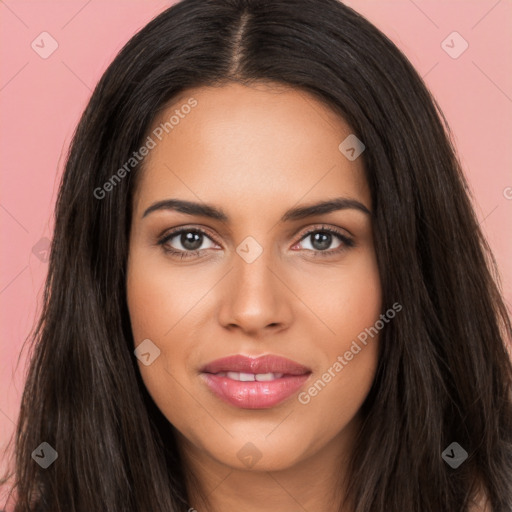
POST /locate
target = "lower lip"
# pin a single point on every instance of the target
(254, 394)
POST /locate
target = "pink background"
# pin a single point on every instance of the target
(42, 99)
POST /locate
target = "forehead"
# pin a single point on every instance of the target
(265, 143)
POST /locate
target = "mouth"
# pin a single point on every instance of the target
(250, 377)
(254, 383)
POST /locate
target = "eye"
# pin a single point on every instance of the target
(185, 242)
(189, 242)
(322, 238)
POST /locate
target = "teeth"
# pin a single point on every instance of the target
(261, 377)
(250, 377)
(244, 377)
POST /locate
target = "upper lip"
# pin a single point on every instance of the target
(263, 364)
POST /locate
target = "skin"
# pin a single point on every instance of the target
(255, 152)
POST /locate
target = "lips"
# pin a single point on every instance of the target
(250, 383)
(261, 365)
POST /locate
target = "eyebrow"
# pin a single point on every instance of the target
(297, 213)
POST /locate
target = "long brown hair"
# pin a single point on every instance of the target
(444, 373)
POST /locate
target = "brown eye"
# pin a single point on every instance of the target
(322, 239)
(185, 242)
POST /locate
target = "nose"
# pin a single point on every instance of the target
(255, 298)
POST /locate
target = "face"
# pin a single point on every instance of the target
(239, 268)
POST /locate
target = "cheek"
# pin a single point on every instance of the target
(332, 401)
(341, 384)
(159, 296)
(345, 300)
(351, 308)
(163, 305)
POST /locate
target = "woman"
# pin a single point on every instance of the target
(267, 287)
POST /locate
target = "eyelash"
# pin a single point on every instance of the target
(347, 242)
